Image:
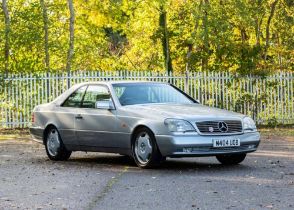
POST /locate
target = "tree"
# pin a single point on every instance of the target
(241, 36)
(272, 12)
(71, 35)
(165, 38)
(7, 34)
(46, 35)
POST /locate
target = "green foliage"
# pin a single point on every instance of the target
(272, 122)
(222, 35)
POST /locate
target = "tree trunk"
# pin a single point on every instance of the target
(267, 37)
(71, 35)
(189, 52)
(205, 23)
(205, 38)
(258, 23)
(7, 35)
(46, 34)
(46, 43)
(280, 61)
(257, 30)
(165, 40)
(243, 35)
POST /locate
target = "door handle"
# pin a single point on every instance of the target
(79, 116)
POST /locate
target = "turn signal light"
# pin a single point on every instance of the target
(187, 149)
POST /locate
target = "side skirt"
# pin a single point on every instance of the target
(122, 151)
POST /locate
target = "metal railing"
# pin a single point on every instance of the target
(267, 100)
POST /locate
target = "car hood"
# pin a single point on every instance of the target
(182, 111)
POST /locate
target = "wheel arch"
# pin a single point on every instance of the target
(135, 130)
(50, 125)
(139, 127)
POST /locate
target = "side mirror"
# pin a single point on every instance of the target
(104, 104)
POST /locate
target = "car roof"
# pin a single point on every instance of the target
(64, 95)
(111, 82)
(60, 99)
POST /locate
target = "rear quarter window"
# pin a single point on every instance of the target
(75, 99)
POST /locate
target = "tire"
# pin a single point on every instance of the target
(54, 146)
(145, 150)
(231, 159)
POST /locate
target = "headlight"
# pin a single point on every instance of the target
(249, 124)
(176, 125)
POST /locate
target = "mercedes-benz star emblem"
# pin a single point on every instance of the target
(223, 127)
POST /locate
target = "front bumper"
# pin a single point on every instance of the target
(189, 145)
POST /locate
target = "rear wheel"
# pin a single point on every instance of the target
(145, 151)
(55, 148)
(233, 159)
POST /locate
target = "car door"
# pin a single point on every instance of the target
(65, 116)
(96, 127)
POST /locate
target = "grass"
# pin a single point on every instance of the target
(16, 131)
(4, 137)
(14, 134)
(277, 131)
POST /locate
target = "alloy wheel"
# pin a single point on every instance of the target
(53, 142)
(143, 148)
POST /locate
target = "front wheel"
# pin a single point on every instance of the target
(55, 148)
(233, 159)
(145, 151)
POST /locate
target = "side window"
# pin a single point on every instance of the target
(95, 93)
(75, 99)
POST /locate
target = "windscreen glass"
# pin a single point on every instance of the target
(146, 93)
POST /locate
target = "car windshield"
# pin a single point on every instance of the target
(146, 93)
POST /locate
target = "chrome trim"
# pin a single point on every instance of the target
(219, 133)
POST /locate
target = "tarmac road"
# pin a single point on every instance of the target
(28, 180)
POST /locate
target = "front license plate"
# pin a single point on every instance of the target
(226, 142)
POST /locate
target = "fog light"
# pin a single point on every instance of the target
(187, 149)
(251, 146)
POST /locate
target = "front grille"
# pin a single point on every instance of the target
(213, 127)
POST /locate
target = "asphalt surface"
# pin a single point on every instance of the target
(28, 180)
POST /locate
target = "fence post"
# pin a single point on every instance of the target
(68, 79)
(187, 81)
(255, 92)
(47, 84)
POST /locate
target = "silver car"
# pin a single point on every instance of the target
(148, 121)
